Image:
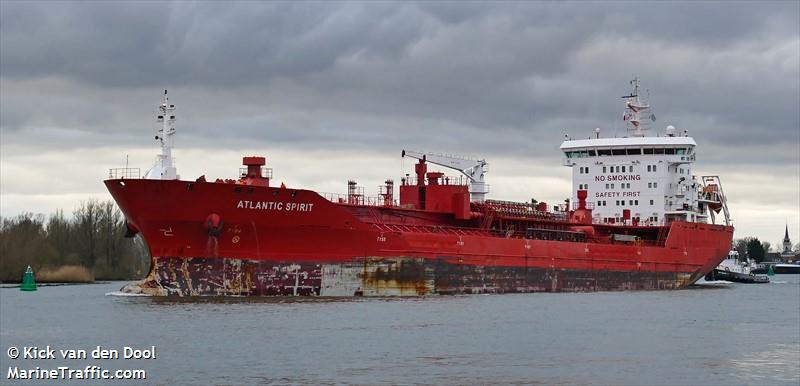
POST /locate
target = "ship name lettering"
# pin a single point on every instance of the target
(276, 206)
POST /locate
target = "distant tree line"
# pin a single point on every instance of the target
(753, 248)
(93, 238)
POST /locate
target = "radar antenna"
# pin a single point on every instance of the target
(637, 111)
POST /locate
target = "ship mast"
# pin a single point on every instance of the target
(637, 111)
(164, 167)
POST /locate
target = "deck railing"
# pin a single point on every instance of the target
(124, 173)
(443, 180)
(355, 199)
(265, 172)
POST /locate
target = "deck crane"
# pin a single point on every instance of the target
(474, 169)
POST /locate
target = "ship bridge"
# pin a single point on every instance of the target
(668, 145)
(641, 179)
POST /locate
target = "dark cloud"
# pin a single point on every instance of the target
(145, 43)
(484, 78)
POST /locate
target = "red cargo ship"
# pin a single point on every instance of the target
(246, 237)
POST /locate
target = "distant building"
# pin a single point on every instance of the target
(787, 254)
(773, 257)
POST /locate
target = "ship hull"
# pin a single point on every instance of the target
(286, 242)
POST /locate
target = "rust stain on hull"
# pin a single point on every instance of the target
(372, 276)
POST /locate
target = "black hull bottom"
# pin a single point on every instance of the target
(787, 270)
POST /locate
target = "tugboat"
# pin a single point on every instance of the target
(733, 270)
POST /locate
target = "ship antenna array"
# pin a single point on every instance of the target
(164, 167)
(637, 111)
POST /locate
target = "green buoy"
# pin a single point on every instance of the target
(770, 272)
(28, 283)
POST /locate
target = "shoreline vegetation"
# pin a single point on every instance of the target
(65, 274)
(88, 246)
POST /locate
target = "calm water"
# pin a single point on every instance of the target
(714, 335)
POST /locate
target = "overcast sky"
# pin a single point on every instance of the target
(333, 91)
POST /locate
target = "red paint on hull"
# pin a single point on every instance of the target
(261, 223)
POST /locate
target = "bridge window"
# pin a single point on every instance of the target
(669, 151)
(579, 154)
(634, 151)
(658, 151)
(648, 151)
(618, 152)
(604, 152)
(680, 151)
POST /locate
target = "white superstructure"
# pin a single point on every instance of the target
(640, 179)
(164, 167)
